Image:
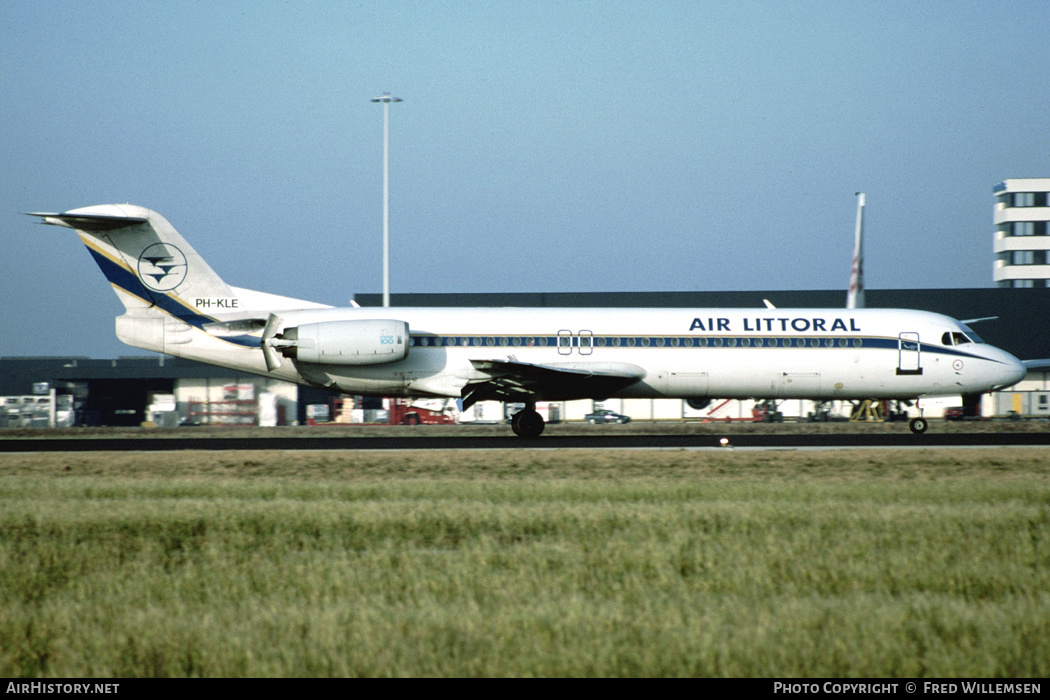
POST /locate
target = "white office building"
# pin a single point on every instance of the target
(1022, 239)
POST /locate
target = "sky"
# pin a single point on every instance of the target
(541, 146)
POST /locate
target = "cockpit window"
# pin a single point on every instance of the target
(957, 338)
(970, 335)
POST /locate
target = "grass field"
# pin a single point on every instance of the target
(874, 563)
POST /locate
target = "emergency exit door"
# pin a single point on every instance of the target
(909, 360)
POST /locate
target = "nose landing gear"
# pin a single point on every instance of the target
(918, 425)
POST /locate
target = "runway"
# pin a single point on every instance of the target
(464, 442)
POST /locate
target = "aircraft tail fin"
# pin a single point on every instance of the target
(148, 263)
(167, 288)
(153, 269)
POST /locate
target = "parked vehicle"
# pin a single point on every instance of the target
(604, 416)
(766, 412)
(407, 412)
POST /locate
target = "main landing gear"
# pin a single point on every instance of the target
(527, 423)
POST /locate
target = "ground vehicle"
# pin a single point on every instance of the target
(766, 412)
(604, 416)
(405, 412)
(968, 411)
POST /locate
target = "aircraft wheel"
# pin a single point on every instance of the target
(527, 424)
(919, 425)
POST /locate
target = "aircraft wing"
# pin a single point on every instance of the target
(511, 380)
(1037, 365)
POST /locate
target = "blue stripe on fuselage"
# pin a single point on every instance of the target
(126, 280)
(120, 276)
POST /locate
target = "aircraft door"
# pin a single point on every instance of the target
(798, 384)
(586, 339)
(583, 342)
(909, 360)
(687, 384)
(564, 342)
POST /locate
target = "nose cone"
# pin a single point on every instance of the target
(1013, 371)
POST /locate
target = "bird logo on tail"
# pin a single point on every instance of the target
(162, 267)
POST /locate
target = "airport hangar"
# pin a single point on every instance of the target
(122, 391)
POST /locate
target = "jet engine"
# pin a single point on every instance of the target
(362, 342)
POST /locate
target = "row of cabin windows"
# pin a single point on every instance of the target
(587, 341)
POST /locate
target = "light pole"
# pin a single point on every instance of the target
(386, 99)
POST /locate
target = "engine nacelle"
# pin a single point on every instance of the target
(364, 342)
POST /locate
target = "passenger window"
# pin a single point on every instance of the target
(564, 342)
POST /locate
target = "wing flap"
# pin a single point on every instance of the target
(511, 380)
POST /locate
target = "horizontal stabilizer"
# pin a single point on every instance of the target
(89, 222)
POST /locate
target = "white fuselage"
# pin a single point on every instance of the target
(819, 354)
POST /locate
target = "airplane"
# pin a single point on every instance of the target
(177, 305)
